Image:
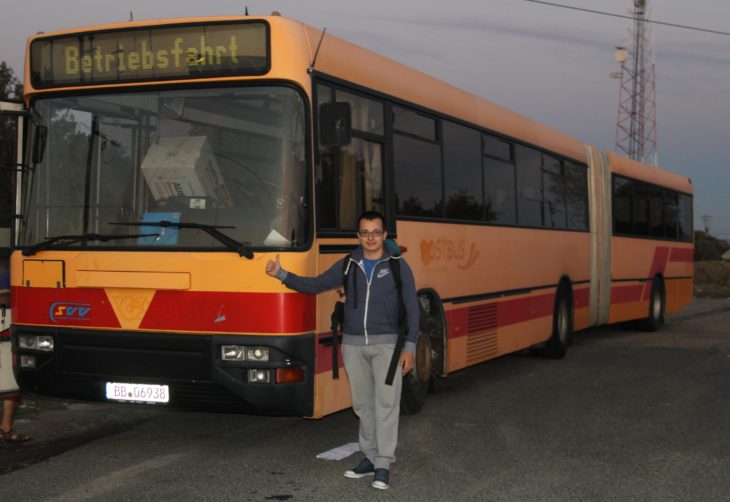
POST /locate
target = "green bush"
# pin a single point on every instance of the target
(708, 248)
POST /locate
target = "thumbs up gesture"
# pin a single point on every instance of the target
(272, 267)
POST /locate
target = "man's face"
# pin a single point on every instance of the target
(372, 236)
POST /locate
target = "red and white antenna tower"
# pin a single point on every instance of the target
(636, 124)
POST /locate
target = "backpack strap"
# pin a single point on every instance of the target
(402, 320)
(337, 321)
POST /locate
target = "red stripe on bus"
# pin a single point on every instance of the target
(508, 312)
(626, 294)
(87, 307)
(170, 310)
(581, 298)
(658, 265)
(230, 312)
(682, 255)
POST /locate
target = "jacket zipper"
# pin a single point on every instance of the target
(367, 296)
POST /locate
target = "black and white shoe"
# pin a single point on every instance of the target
(382, 479)
(364, 468)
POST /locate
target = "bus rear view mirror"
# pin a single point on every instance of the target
(335, 124)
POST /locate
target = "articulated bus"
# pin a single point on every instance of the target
(168, 161)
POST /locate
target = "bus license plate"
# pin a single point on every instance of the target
(137, 392)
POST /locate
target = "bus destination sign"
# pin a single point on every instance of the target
(154, 53)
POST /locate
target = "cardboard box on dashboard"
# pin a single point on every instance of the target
(184, 166)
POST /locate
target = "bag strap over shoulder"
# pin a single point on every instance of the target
(337, 321)
(402, 320)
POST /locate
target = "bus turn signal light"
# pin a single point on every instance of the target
(289, 375)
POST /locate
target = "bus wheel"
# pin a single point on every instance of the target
(416, 382)
(557, 345)
(656, 307)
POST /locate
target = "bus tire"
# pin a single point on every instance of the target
(656, 306)
(557, 345)
(417, 382)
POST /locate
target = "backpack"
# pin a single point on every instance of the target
(338, 315)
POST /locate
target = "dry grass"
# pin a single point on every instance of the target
(712, 279)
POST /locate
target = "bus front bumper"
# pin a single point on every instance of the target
(262, 374)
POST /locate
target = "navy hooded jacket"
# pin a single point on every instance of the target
(374, 319)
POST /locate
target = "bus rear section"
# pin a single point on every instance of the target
(652, 250)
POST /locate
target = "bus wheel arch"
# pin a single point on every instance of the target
(430, 353)
(562, 328)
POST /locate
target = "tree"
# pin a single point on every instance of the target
(10, 86)
(707, 247)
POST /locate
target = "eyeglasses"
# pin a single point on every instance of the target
(365, 234)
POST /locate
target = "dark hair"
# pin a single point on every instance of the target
(371, 215)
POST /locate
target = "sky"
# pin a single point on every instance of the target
(548, 63)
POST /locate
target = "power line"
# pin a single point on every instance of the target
(673, 25)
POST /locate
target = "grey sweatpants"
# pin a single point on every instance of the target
(375, 403)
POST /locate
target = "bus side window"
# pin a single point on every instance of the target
(349, 174)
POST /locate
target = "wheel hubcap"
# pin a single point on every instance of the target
(423, 358)
(563, 323)
(656, 305)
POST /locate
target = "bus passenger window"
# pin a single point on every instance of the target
(413, 123)
(499, 192)
(656, 212)
(462, 172)
(641, 209)
(671, 211)
(360, 181)
(367, 114)
(529, 187)
(622, 206)
(417, 177)
(553, 184)
(685, 218)
(577, 196)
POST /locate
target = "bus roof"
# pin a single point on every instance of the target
(636, 170)
(294, 45)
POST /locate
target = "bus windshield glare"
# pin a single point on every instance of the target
(232, 158)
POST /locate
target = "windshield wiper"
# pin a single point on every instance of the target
(50, 241)
(242, 248)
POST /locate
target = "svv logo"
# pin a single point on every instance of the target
(62, 311)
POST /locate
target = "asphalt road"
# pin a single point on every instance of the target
(625, 416)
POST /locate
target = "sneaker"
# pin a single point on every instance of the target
(382, 478)
(364, 468)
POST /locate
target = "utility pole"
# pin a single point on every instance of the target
(706, 218)
(636, 122)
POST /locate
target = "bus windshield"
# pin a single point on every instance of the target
(117, 164)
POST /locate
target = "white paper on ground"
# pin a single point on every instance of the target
(340, 452)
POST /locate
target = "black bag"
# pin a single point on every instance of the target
(338, 320)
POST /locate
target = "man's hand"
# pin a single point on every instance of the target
(272, 267)
(407, 360)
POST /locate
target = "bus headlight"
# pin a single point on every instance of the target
(36, 342)
(257, 353)
(259, 376)
(233, 353)
(244, 353)
(27, 361)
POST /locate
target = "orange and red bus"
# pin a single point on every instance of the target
(170, 160)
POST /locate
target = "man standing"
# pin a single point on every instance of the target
(369, 337)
